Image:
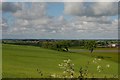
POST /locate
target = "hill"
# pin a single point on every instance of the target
(23, 62)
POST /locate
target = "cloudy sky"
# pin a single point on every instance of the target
(59, 20)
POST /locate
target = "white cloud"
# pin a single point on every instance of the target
(91, 9)
(32, 22)
(105, 8)
(4, 25)
(31, 11)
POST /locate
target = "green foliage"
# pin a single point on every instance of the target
(57, 45)
(90, 44)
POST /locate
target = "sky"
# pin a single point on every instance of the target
(59, 20)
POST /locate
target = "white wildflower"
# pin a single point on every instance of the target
(68, 61)
(108, 65)
(53, 75)
(59, 65)
(99, 59)
(64, 71)
(71, 76)
(94, 61)
(98, 67)
(72, 64)
(72, 71)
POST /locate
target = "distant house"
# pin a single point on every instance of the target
(112, 45)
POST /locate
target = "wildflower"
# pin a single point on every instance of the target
(72, 65)
(72, 71)
(99, 71)
(53, 75)
(94, 61)
(64, 71)
(98, 67)
(108, 65)
(71, 76)
(68, 61)
(67, 66)
(99, 59)
(59, 65)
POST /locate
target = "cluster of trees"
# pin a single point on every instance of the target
(65, 44)
(20, 43)
(62, 45)
(57, 45)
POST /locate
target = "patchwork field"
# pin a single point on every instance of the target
(23, 62)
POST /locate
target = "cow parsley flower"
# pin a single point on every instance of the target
(99, 59)
(108, 65)
(53, 75)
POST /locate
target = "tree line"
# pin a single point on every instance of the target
(61, 45)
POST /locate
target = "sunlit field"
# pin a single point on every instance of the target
(23, 62)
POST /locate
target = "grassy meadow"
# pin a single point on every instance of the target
(23, 62)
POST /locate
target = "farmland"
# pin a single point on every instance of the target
(21, 61)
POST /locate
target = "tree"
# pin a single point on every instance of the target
(56, 45)
(91, 45)
(63, 45)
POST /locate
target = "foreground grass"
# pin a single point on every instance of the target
(22, 62)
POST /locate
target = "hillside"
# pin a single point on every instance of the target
(23, 62)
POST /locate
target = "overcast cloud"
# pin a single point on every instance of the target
(10, 7)
(89, 20)
(91, 9)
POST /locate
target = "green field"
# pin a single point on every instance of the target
(23, 62)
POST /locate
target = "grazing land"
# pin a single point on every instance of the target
(21, 61)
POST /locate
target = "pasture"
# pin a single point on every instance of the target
(23, 62)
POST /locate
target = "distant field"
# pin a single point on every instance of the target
(22, 62)
(106, 48)
(78, 47)
(105, 54)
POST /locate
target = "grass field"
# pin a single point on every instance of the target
(23, 62)
(105, 53)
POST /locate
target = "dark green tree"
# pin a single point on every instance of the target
(91, 45)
